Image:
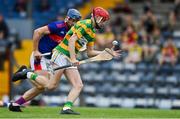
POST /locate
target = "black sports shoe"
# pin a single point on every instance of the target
(20, 73)
(13, 108)
(69, 111)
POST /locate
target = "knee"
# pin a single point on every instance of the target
(79, 86)
(51, 87)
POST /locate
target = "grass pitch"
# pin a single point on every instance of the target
(86, 112)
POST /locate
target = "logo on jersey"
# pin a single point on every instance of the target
(83, 42)
(62, 32)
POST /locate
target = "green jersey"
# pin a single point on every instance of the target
(85, 33)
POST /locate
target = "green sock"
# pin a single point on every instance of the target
(68, 104)
(33, 76)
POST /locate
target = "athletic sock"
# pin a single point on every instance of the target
(20, 101)
(5, 104)
(32, 75)
(67, 105)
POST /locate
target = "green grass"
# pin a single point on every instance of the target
(53, 112)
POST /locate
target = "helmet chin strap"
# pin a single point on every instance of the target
(96, 24)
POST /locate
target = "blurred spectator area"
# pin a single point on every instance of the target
(45, 11)
(41, 11)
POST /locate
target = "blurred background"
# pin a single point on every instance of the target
(147, 76)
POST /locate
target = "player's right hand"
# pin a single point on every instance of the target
(37, 54)
(75, 62)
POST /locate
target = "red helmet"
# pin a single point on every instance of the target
(99, 11)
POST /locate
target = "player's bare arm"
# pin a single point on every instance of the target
(38, 33)
(71, 47)
(91, 52)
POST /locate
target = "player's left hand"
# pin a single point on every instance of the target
(117, 53)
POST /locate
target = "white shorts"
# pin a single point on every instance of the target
(60, 59)
(42, 64)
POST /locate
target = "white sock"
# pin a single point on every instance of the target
(65, 108)
(29, 74)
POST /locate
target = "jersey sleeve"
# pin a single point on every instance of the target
(79, 31)
(90, 43)
(83, 31)
(53, 27)
(90, 36)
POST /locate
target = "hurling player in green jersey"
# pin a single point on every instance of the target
(81, 35)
